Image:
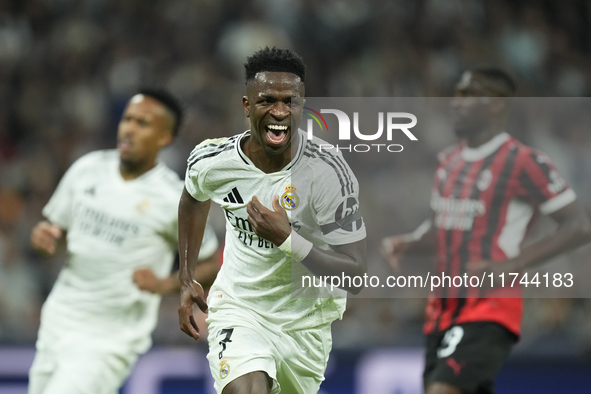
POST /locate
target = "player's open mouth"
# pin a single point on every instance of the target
(276, 134)
(124, 145)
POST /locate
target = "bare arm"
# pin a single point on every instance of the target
(192, 219)
(574, 229)
(273, 225)
(207, 270)
(421, 241)
(146, 280)
(349, 259)
(48, 239)
(205, 273)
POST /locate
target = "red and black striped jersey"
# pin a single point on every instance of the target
(484, 200)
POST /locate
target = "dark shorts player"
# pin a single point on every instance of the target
(487, 191)
(467, 356)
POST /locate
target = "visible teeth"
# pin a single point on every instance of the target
(276, 139)
(277, 127)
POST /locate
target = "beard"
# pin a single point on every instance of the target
(464, 131)
(469, 126)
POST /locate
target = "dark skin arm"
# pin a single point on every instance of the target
(207, 270)
(192, 218)
(48, 239)
(421, 241)
(273, 225)
(574, 229)
(205, 273)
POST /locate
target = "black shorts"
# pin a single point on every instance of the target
(468, 356)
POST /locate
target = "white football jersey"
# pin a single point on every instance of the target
(113, 227)
(317, 190)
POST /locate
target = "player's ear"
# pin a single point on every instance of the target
(246, 104)
(166, 138)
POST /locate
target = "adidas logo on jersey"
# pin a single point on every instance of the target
(234, 197)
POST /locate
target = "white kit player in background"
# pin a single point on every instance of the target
(116, 213)
(288, 208)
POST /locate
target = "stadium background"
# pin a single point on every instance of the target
(67, 67)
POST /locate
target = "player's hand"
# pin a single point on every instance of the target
(191, 293)
(45, 237)
(146, 280)
(392, 249)
(272, 225)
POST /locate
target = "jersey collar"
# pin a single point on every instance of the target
(152, 172)
(239, 148)
(489, 147)
(288, 167)
(300, 150)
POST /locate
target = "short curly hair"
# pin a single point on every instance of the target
(504, 83)
(169, 101)
(274, 60)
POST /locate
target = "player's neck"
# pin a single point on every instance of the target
(130, 171)
(263, 161)
(482, 138)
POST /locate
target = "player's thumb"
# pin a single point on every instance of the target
(276, 206)
(55, 231)
(200, 301)
(394, 263)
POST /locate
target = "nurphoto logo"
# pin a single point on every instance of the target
(392, 120)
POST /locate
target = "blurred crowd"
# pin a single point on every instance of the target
(67, 68)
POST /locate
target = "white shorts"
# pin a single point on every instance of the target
(295, 360)
(83, 372)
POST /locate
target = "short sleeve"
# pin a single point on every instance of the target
(196, 171)
(193, 182)
(540, 183)
(336, 203)
(59, 208)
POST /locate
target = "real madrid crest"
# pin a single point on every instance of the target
(289, 199)
(224, 368)
(143, 206)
